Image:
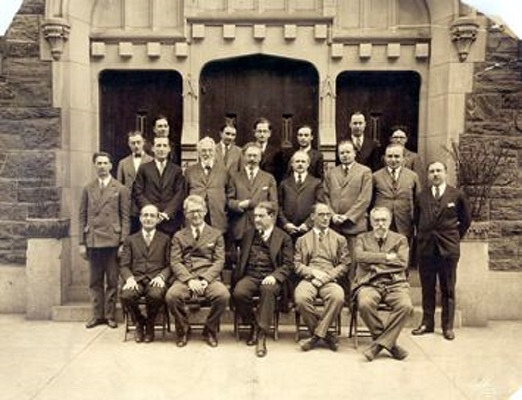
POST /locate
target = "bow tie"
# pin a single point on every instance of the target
(137, 155)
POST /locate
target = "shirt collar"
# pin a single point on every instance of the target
(398, 169)
(442, 189)
(303, 175)
(255, 170)
(151, 233)
(105, 181)
(197, 227)
(307, 149)
(267, 233)
(318, 231)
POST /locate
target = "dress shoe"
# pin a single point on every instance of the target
(95, 322)
(398, 352)
(112, 323)
(182, 339)
(421, 330)
(372, 351)
(252, 336)
(210, 338)
(332, 342)
(311, 343)
(138, 334)
(261, 345)
(149, 332)
(448, 334)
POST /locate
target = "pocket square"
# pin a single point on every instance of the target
(211, 244)
(451, 205)
(265, 188)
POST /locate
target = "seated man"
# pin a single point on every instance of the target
(197, 259)
(265, 263)
(145, 267)
(321, 260)
(382, 260)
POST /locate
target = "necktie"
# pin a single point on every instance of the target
(137, 155)
(161, 166)
(102, 186)
(225, 155)
(251, 175)
(148, 238)
(261, 234)
(299, 179)
(437, 193)
(394, 174)
(321, 236)
(380, 242)
(197, 234)
(358, 143)
(346, 170)
(207, 169)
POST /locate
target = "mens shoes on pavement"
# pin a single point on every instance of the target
(422, 330)
(448, 334)
(372, 351)
(311, 343)
(95, 322)
(398, 352)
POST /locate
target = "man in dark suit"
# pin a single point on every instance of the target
(227, 152)
(264, 265)
(197, 259)
(104, 225)
(145, 269)
(321, 261)
(368, 150)
(127, 169)
(348, 189)
(382, 260)
(316, 164)
(272, 160)
(208, 179)
(161, 183)
(297, 195)
(442, 217)
(247, 189)
(161, 128)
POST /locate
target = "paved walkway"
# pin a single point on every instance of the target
(63, 360)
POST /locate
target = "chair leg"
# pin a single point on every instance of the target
(355, 330)
(276, 325)
(236, 326)
(297, 325)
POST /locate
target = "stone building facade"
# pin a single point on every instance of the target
(57, 54)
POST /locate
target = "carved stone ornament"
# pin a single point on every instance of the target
(463, 34)
(56, 32)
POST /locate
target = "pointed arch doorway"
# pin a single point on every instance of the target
(244, 88)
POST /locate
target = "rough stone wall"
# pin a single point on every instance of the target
(29, 133)
(494, 114)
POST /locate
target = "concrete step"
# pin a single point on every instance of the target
(82, 311)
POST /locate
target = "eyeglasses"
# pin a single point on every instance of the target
(398, 137)
(195, 212)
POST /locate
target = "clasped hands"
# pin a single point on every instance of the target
(319, 278)
(197, 286)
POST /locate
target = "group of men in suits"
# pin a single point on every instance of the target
(233, 199)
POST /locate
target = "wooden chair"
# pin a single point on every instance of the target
(240, 326)
(354, 329)
(300, 327)
(162, 319)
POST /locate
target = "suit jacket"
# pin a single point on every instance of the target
(340, 257)
(272, 161)
(413, 161)
(263, 188)
(316, 167)
(371, 259)
(126, 174)
(141, 261)
(281, 254)
(204, 258)
(399, 197)
(166, 192)
(104, 215)
(212, 188)
(233, 163)
(441, 226)
(295, 202)
(369, 154)
(350, 195)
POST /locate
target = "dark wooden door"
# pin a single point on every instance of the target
(130, 100)
(385, 98)
(245, 88)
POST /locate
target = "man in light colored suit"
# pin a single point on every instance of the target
(208, 179)
(160, 182)
(227, 152)
(197, 259)
(145, 269)
(382, 260)
(321, 260)
(297, 195)
(396, 188)
(265, 263)
(104, 225)
(348, 189)
(412, 160)
(247, 189)
(127, 169)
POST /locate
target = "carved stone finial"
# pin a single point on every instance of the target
(463, 34)
(56, 32)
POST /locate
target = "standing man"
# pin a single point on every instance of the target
(247, 189)
(316, 164)
(368, 151)
(161, 128)
(321, 260)
(127, 169)
(297, 195)
(197, 259)
(208, 179)
(442, 217)
(145, 269)
(348, 189)
(264, 265)
(161, 183)
(271, 156)
(227, 152)
(382, 260)
(411, 159)
(104, 225)
(396, 188)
